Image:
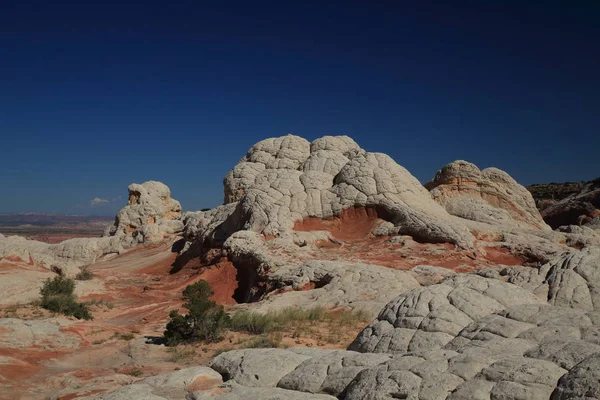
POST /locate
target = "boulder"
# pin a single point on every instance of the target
(582, 381)
(257, 367)
(233, 391)
(430, 317)
(177, 385)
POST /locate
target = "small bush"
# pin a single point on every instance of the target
(135, 372)
(84, 274)
(57, 286)
(204, 320)
(58, 296)
(123, 336)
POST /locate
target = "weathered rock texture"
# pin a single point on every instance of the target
(150, 216)
(522, 333)
(335, 285)
(169, 386)
(289, 203)
(284, 180)
(490, 195)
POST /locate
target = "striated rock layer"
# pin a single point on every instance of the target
(491, 196)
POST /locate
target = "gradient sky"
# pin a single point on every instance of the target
(94, 96)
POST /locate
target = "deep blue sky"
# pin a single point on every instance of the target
(96, 96)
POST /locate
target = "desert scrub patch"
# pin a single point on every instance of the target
(264, 341)
(57, 295)
(127, 336)
(84, 274)
(101, 304)
(181, 353)
(134, 372)
(260, 323)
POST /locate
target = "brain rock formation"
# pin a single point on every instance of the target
(490, 195)
(282, 180)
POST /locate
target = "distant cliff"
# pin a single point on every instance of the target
(569, 203)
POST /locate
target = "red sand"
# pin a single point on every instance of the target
(352, 223)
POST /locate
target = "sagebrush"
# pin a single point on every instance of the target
(58, 295)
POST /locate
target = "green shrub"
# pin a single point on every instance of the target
(135, 372)
(204, 320)
(123, 336)
(84, 274)
(58, 296)
(58, 285)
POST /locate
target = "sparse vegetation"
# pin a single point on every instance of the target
(57, 295)
(264, 341)
(101, 303)
(134, 372)
(205, 320)
(255, 323)
(123, 336)
(84, 274)
(179, 354)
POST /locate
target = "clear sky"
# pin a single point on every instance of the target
(94, 96)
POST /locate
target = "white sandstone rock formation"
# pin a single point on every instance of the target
(176, 385)
(283, 180)
(490, 195)
(468, 337)
(335, 285)
(150, 217)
